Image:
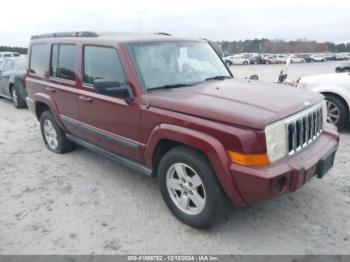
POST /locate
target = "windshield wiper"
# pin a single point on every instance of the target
(170, 86)
(217, 78)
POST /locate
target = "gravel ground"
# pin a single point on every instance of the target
(83, 203)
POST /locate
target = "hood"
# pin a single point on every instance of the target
(252, 104)
(334, 78)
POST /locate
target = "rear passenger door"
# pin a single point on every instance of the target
(109, 122)
(62, 86)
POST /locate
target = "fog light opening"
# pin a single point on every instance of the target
(281, 184)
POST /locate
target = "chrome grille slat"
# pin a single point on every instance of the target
(303, 128)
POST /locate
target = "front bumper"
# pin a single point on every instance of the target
(257, 184)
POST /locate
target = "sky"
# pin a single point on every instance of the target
(320, 20)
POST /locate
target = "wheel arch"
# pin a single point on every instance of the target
(166, 136)
(343, 100)
(44, 102)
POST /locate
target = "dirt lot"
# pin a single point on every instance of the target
(82, 203)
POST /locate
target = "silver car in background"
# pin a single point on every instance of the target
(12, 71)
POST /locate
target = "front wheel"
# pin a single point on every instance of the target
(337, 113)
(189, 187)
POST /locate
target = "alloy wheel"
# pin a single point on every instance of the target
(186, 188)
(333, 112)
(50, 134)
(14, 97)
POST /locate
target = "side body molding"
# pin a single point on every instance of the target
(213, 149)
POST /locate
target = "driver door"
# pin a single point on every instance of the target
(107, 121)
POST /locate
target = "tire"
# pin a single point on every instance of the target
(245, 63)
(210, 208)
(337, 107)
(54, 137)
(17, 99)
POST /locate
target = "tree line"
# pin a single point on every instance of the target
(281, 46)
(21, 50)
(255, 46)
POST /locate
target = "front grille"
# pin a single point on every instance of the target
(304, 128)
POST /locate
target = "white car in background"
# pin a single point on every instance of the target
(297, 59)
(336, 89)
(281, 59)
(236, 60)
(4, 55)
(317, 58)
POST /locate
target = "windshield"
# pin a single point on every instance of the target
(21, 63)
(161, 64)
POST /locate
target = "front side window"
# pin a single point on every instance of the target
(38, 59)
(63, 61)
(162, 64)
(102, 63)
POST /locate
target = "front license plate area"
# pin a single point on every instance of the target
(325, 164)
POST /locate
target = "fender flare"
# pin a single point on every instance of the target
(44, 98)
(209, 145)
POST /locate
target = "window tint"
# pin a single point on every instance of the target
(102, 63)
(63, 61)
(7, 55)
(38, 59)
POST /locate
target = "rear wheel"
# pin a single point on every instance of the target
(54, 137)
(337, 113)
(17, 99)
(190, 188)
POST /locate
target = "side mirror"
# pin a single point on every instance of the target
(113, 88)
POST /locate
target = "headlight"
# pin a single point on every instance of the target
(276, 140)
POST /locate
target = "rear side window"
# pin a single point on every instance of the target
(38, 60)
(63, 61)
(102, 63)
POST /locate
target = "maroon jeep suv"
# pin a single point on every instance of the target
(169, 107)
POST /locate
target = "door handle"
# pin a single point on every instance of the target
(50, 89)
(86, 99)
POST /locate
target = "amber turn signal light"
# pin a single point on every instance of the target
(247, 159)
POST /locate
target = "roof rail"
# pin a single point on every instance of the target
(66, 34)
(162, 33)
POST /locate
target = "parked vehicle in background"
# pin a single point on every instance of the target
(4, 55)
(12, 71)
(256, 60)
(336, 89)
(297, 59)
(306, 57)
(169, 107)
(344, 67)
(341, 56)
(317, 58)
(236, 60)
(281, 59)
(270, 59)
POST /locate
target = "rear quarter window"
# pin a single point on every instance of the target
(38, 59)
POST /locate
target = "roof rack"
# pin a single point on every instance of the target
(66, 34)
(162, 33)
